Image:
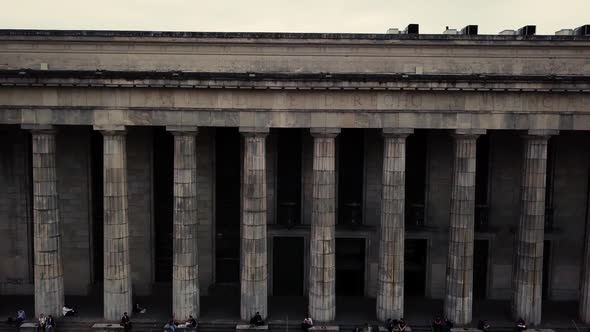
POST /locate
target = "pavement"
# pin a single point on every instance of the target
(282, 310)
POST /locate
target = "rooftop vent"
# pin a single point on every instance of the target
(564, 32)
(450, 31)
(584, 30)
(507, 32)
(469, 30)
(412, 29)
(527, 30)
(393, 31)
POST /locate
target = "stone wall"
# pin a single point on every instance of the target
(438, 199)
(16, 263)
(504, 188)
(72, 158)
(139, 177)
(373, 146)
(307, 174)
(570, 195)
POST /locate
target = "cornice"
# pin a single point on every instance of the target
(294, 81)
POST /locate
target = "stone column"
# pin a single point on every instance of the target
(322, 271)
(185, 275)
(117, 269)
(390, 293)
(528, 259)
(254, 275)
(459, 292)
(49, 283)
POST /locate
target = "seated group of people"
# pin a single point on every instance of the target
(399, 325)
(172, 324)
(439, 324)
(47, 324)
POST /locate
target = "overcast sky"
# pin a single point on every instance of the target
(370, 16)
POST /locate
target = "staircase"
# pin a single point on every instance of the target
(77, 326)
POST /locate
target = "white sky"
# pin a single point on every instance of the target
(362, 16)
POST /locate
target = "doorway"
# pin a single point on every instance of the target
(480, 268)
(227, 205)
(415, 267)
(289, 177)
(163, 180)
(96, 188)
(350, 267)
(350, 177)
(287, 265)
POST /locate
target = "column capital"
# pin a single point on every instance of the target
(254, 131)
(111, 130)
(324, 132)
(397, 132)
(540, 134)
(468, 133)
(183, 130)
(42, 129)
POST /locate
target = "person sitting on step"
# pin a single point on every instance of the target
(67, 311)
(257, 319)
(483, 325)
(307, 323)
(401, 325)
(138, 310)
(126, 322)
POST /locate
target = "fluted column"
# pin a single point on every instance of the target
(528, 260)
(390, 293)
(185, 270)
(254, 275)
(459, 291)
(322, 287)
(117, 269)
(49, 284)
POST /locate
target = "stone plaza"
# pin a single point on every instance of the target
(453, 166)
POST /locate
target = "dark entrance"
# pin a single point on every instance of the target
(350, 173)
(416, 158)
(96, 165)
(227, 205)
(480, 268)
(289, 177)
(415, 267)
(287, 266)
(163, 179)
(350, 267)
(546, 269)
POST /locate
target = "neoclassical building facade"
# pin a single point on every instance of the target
(451, 166)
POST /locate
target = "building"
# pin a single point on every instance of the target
(452, 166)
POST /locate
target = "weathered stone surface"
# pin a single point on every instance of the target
(16, 220)
(185, 278)
(390, 292)
(322, 270)
(253, 256)
(528, 251)
(459, 279)
(117, 268)
(49, 280)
